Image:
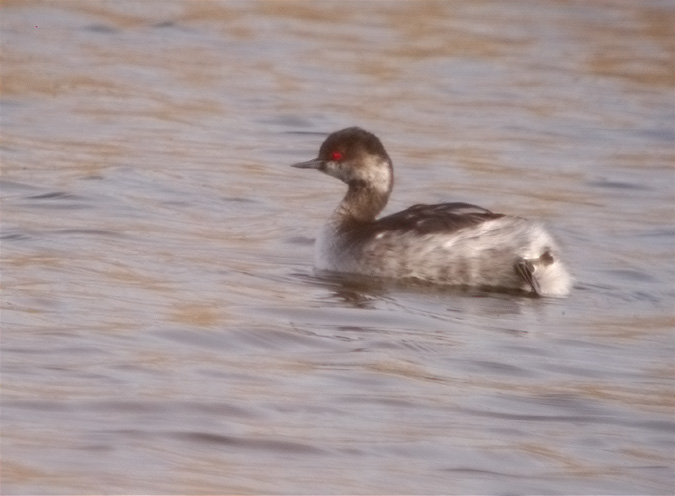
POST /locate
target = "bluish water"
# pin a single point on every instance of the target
(163, 331)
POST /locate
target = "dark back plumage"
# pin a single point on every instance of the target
(442, 217)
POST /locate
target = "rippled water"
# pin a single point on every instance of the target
(163, 332)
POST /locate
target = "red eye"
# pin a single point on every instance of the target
(336, 156)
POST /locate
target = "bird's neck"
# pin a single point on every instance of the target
(361, 204)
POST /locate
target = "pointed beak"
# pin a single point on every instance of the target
(310, 164)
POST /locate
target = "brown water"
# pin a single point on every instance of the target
(163, 332)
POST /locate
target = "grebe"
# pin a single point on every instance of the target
(449, 243)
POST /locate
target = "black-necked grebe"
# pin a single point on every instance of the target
(449, 243)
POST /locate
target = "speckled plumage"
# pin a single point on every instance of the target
(448, 243)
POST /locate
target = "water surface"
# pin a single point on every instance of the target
(163, 331)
